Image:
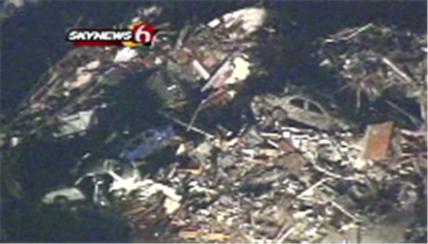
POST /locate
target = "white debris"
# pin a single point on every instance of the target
(251, 19)
(82, 79)
(171, 205)
(200, 69)
(69, 194)
(194, 188)
(128, 184)
(14, 141)
(167, 191)
(361, 163)
(148, 188)
(182, 149)
(93, 65)
(125, 55)
(75, 123)
(241, 70)
(234, 69)
(214, 23)
(158, 61)
(83, 75)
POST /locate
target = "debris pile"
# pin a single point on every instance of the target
(294, 172)
(378, 62)
(289, 186)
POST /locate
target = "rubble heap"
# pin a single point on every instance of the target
(293, 173)
(378, 62)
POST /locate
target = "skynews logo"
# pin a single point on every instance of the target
(138, 35)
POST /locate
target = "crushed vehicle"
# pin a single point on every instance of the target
(296, 108)
(111, 177)
(147, 143)
(64, 195)
(99, 183)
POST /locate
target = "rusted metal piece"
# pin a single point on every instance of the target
(377, 141)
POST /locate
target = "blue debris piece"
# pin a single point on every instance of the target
(147, 143)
